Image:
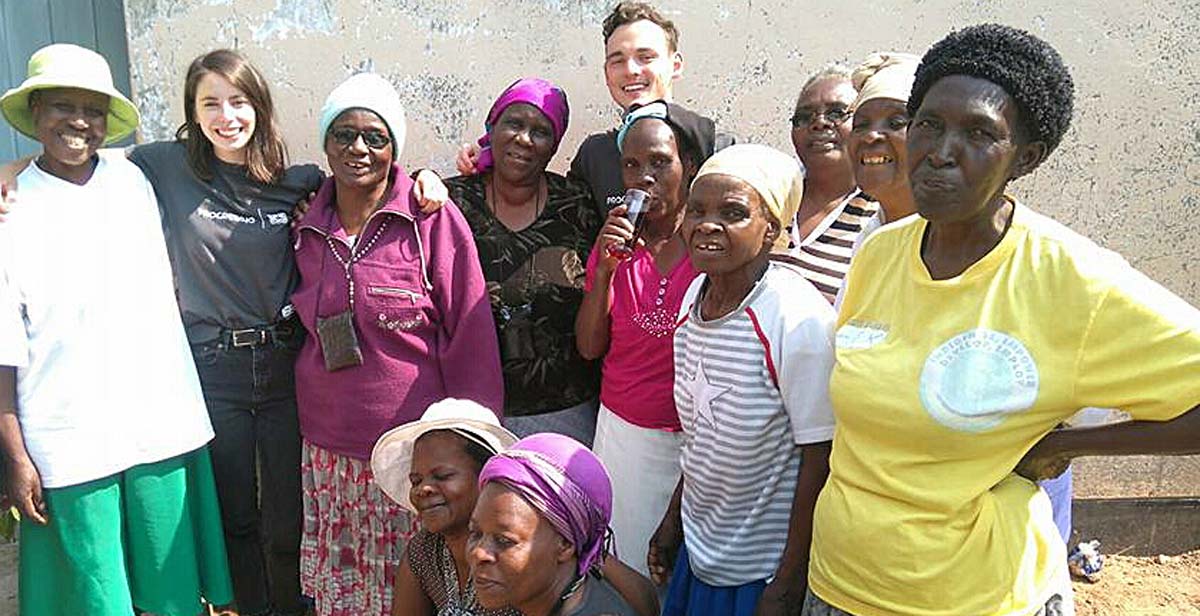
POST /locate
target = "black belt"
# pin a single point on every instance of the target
(258, 336)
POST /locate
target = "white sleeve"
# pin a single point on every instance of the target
(14, 338)
(690, 297)
(804, 356)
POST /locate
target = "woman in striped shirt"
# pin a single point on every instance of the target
(752, 355)
(833, 210)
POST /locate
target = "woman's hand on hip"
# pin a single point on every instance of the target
(1046, 460)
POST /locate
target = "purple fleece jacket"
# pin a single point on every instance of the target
(421, 313)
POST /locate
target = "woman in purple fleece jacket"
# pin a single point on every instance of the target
(398, 317)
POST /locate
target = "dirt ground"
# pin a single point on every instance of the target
(1158, 586)
(1155, 586)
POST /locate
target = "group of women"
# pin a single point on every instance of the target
(355, 367)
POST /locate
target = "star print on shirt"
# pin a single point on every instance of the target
(703, 394)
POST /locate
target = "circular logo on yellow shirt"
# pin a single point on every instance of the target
(974, 380)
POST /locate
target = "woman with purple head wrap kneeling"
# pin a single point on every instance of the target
(540, 531)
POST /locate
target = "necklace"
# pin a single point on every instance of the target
(567, 593)
(494, 205)
(355, 255)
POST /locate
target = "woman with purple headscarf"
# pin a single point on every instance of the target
(533, 229)
(539, 532)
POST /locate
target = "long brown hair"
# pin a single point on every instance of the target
(266, 156)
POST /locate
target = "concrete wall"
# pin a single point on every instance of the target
(1128, 174)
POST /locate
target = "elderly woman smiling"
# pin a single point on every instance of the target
(394, 302)
(833, 210)
(878, 131)
(102, 421)
(943, 424)
(534, 230)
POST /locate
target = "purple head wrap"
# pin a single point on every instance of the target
(547, 97)
(566, 483)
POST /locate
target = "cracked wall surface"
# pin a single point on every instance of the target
(1127, 175)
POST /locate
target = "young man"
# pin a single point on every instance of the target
(641, 63)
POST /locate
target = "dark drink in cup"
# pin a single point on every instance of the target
(636, 201)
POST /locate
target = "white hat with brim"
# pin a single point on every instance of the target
(69, 66)
(391, 458)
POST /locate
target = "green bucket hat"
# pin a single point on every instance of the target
(69, 66)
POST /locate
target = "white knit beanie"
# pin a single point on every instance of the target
(373, 93)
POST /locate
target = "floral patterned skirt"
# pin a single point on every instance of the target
(353, 539)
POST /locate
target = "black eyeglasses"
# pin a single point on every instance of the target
(375, 139)
(834, 115)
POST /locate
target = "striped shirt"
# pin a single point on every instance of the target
(750, 387)
(824, 255)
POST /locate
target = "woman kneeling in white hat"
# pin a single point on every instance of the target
(102, 423)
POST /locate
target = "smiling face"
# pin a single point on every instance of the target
(639, 64)
(821, 122)
(355, 164)
(225, 116)
(71, 124)
(726, 225)
(964, 147)
(877, 146)
(651, 161)
(516, 556)
(444, 482)
(522, 143)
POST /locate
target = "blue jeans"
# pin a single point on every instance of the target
(251, 398)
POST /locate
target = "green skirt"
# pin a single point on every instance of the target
(148, 537)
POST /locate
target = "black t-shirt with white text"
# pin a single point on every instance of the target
(229, 239)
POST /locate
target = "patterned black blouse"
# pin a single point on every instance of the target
(535, 282)
(433, 566)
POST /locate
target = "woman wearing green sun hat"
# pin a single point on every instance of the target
(102, 423)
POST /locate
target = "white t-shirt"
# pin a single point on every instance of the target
(105, 379)
(750, 387)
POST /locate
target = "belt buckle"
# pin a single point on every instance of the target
(248, 337)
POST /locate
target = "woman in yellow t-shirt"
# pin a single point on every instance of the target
(966, 335)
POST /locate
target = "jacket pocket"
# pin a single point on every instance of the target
(402, 295)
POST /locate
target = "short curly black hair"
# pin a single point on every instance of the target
(1025, 66)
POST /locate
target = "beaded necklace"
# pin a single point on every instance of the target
(355, 255)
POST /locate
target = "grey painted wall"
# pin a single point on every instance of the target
(1128, 174)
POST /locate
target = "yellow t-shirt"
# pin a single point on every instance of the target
(941, 386)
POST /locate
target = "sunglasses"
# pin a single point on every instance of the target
(345, 137)
(834, 115)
